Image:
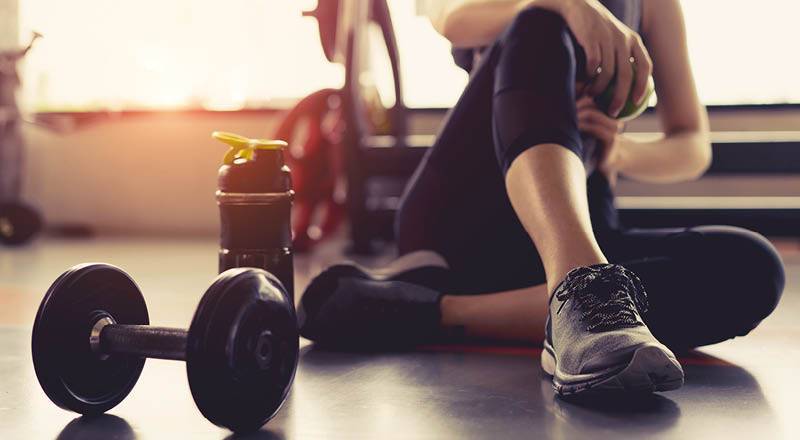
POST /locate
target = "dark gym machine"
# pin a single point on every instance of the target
(377, 162)
(18, 221)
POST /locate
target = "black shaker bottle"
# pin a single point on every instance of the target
(254, 196)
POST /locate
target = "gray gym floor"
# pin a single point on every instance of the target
(746, 388)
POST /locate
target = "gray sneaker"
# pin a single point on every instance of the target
(595, 338)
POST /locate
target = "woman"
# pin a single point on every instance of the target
(502, 235)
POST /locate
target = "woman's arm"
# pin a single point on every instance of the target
(684, 150)
(607, 42)
(477, 23)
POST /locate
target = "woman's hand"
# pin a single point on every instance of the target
(594, 122)
(610, 48)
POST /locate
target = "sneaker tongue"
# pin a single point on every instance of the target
(584, 280)
(603, 289)
(608, 296)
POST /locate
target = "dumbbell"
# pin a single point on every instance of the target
(91, 337)
(18, 223)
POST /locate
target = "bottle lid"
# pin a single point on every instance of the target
(244, 148)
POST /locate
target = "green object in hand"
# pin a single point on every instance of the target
(631, 109)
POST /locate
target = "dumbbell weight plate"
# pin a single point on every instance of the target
(242, 349)
(72, 376)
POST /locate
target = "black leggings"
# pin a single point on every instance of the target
(705, 284)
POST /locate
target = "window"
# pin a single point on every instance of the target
(143, 54)
(235, 54)
(742, 52)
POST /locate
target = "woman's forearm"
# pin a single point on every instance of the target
(676, 157)
(478, 23)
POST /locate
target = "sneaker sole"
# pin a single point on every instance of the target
(650, 369)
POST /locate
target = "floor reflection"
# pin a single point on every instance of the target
(724, 386)
(263, 434)
(94, 427)
(507, 395)
(715, 390)
(639, 415)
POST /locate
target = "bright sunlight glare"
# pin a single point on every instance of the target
(151, 54)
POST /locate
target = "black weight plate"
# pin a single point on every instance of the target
(245, 311)
(72, 376)
(18, 223)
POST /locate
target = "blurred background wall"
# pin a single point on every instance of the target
(148, 173)
(156, 172)
(130, 97)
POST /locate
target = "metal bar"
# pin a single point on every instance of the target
(144, 341)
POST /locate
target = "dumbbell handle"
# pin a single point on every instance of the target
(141, 340)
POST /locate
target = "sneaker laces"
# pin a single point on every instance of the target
(608, 296)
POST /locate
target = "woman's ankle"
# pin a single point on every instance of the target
(557, 274)
(448, 307)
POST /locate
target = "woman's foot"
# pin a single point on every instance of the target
(595, 338)
(349, 306)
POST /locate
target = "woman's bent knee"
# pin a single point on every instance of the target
(750, 269)
(537, 49)
(536, 21)
(534, 89)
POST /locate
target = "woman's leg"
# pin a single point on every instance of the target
(539, 149)
(519, 315)
(456, 203)
(512, 316)
(594, 332)
(521, 96)
(547, 187)
(705, 284)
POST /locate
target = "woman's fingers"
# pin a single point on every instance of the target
(584, 102)
(593, 59)
(624, 77)
(600, 131)
(597, 124)
(644, 68)
(607, 66)
(594, 115)
(605, 153)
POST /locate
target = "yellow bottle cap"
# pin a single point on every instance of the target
(243, 148)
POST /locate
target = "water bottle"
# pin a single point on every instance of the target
(254, 196)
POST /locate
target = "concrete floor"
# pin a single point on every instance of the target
(744, 388)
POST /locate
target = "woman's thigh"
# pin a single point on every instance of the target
(456, 202)
(705, 284)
